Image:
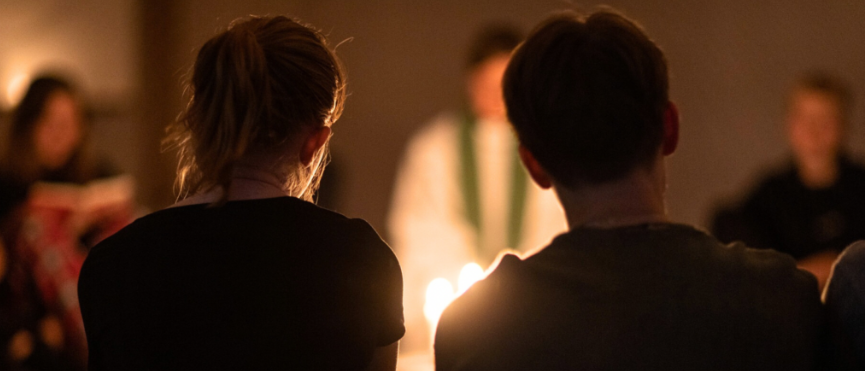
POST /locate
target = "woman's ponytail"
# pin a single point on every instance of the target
(254, 88)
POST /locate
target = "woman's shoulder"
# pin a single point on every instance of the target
(283, 219)
(280, 221)
(291, 210)
(328, 231)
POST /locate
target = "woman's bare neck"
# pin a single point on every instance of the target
(247, 183)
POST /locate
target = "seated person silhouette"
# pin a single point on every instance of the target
(812, 206)
(245, 273)
(624, 288)
(845, 306)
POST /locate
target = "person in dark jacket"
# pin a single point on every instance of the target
(625, 288)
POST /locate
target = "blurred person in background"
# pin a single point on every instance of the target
(245, 272)
(56, 200)
(624, 288)
(31, 334)
(461, 195)
(814, 205)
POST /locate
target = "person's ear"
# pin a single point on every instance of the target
(538, 174)
(671, 129)
(316, 139)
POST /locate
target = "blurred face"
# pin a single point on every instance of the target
(815, 126)
(485, 88)
(58, 132)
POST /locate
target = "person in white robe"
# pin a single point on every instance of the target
(461, 195)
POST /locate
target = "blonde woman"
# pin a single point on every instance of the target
(245, 272)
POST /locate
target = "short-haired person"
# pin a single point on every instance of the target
(245, 272)
(812, 206)
(624, 288)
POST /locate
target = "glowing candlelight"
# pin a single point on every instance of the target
(470, 274)
(439, 294)
(16, 87)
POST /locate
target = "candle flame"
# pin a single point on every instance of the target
(470, 274)
(439, 294)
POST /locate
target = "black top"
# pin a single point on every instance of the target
(12, 194)
(649, 297)
(844, 298)
(784, 214)
(258, 284)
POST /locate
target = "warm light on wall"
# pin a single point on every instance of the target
(16, 86)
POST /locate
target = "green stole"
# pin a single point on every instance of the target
(471, 192)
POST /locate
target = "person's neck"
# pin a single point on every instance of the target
(636, 199)
(818, 173)
(247, 183)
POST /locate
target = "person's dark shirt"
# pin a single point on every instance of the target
(649, 297)
(845, 306)
(12, 194)
(785, 215)
(258, 284)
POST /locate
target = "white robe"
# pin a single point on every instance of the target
(427, 223)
